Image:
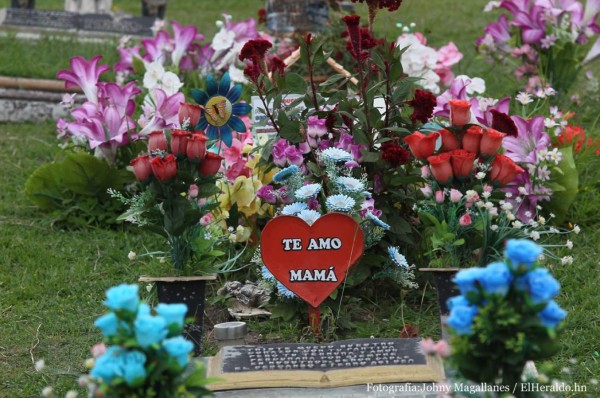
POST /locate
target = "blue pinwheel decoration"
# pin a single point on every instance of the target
(220, 115)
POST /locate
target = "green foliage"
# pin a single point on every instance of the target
(75, 190)
(565, 185)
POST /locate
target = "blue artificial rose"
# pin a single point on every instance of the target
(108, 365)
(149, 330)
(457, 301)
(179, 349)
(466, 279)
(143, 309)
(522, 252)
(133, 367)
(541, 285)
(552, 315)
(461, 318)
(122, 297)
(108, 324)
(173, 313)
(496, 278)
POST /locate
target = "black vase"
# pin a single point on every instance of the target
(190, 291)
(445, 288)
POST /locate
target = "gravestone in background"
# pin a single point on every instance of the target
(22, 4)
(88, 6)
(65, 21)
(154, 8)
(302, 16)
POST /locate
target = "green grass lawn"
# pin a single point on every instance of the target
(52, 281)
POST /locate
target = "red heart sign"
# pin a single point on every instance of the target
(311, 261)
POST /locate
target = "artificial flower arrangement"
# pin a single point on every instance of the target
(548, 40)
(143, 353)
(179, 173)
(475, 195)
(504, 316)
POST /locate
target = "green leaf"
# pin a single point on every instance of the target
(294, 83)
(138, 66)
(568, 180)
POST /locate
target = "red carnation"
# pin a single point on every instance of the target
(422, 104)
(394, 154)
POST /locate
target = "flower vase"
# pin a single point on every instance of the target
(189, 290)
(445, 288)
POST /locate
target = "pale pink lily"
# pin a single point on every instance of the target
(162, 112)
(183, 38)
(85, 75)
(122, 98)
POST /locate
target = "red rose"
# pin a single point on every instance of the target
(164, 169)
(449, 140)
(462, 162)
(441, 167)
(421, 145)
(190, 113)
(472, 138)
(460, 112)
(196, 146)
(179, 142)
(504, 170)
(491, 141)
(210, 165)
(141, 168)
(157, 141)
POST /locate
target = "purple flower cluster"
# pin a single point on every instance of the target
(180, 50)
(541, 25)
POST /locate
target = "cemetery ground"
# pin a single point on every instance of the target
(52, 279)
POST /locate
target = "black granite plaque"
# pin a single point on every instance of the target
(64, 20)
(338, 355)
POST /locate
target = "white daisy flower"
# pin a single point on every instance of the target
(350, 184)
(309, 216)
(307, 191)
(336, 155)
(294, 208)
(340, 203)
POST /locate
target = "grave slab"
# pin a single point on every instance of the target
(309, 365)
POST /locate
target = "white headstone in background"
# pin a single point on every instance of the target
(88, 6)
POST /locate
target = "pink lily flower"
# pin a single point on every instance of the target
(183, 38)
(125, 64)
(157, 46)
(122, 98)
(85, 75)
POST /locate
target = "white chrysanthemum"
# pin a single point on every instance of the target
(307, 191)
(294, 208)
(336, 155)
(569, 244)
(350, 184)
(340, 203)
(132, 255)
(309, 216)
(397, 258)
(576, 229)
(567, 260)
